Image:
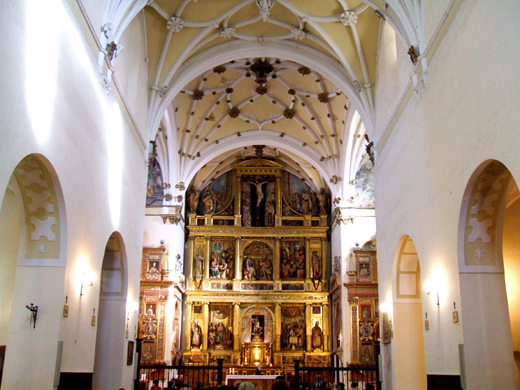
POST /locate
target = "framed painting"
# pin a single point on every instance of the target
(387, 329)
(130, 353)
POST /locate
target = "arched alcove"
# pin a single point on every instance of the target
(488, 260)
(111, 317)
(32, 270)
(408, 336)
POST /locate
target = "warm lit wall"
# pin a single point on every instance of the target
(512, 271)
(467, 114)
(99, 164)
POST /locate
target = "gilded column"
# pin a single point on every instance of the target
(308, 331)
(308, 263)
(207, 258)
(276, 259)
(278, 326)
(236, 328)
(325, 322)
(191, 243)
(238, 263)
(278, 215)
(187, 330)
(238, 199)
(323, 259)
(204, 325)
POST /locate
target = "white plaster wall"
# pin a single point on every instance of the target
(82, 140)
(173, 235)
(469, 113)
(434, 12)
(394, 69)
(131, 70)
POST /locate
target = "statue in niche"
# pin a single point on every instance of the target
(316, 265)
(270, 209)
(193, 200)
(259, 192)
(246, 212)
(199, 264)
(257, 330)
(196, 335)
(266, 269)
(209, 201)
(223, 269)
(297, 201)
(317, 336)
(249, 269)
(306, 199)
(322, 201)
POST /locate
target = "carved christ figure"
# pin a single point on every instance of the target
(259, 192)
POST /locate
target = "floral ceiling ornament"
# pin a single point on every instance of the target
(323, 97)
(348, 18)
(234, 112)
(289, 113)
(297, 33)
(265, 8)
(228, 32)
(175, 24)
(219, 69)
(304, 70)
(198, 94)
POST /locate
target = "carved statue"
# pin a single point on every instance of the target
(317, 336)
(259, 193)
(249, 269)
(199, 264)
(214, 271)
(193, 200)
(322, 201)
(246, 213)
(266, 269)
(196, 335)
(316, 265)
(269, 211)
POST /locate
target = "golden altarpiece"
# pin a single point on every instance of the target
(159, 296)
(363, 298)
(256, 287)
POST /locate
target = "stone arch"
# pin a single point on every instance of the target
(407, 319)
(32, 268)
(487, 319)
(111, 316)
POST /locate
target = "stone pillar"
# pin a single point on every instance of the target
(278, 215)
(278, 327)
(207, 258)
(238, 201)
(205, 325)
(236, 328)
(238, 263)
(325, 322)
(308, 330)
(187, 330)
(276, 259)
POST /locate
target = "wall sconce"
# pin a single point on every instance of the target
(84, 283)
(431, 290)
(34, 313)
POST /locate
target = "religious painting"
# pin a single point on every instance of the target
(150, 310)
(293, 287)
(256, 287)
(299, 197)
(293, 328)
(367, 354)
(258, 261)
(222, 286)
(151, 265)
(364, 184)
(148, 352)
(220, 329)
(197, 309)
(222, 259)
(292, 259)
(154, 185)
(217, 196)
(130, 353)
(366, 312)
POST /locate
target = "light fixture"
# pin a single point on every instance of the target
(34, 313)
(431, 289)
(85, 283)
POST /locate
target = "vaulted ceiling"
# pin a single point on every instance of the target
(225, 75)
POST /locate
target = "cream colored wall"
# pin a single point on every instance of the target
(9, 242)
(434, 12)
(410, 368)
(512, 270)
(86, 142)
(467, 115)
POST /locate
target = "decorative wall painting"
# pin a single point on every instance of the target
(292, 259)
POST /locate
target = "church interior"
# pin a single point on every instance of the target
(259, 184)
